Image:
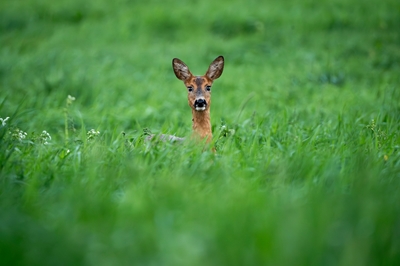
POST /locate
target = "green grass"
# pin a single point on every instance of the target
(305, 120)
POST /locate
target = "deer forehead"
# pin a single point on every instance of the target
(199, 82)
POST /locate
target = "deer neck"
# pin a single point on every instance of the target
(202, 124)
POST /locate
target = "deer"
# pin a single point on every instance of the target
(199, 98)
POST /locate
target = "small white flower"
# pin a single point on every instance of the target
(18, 134)
(70, 99)
(92, 134)
(45, 137)
(3, 121)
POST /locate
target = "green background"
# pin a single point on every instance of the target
(305, 120)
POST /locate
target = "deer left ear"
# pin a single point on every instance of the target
(181, 70)
(216, 68)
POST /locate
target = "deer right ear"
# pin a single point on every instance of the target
(216, 68)
(181, 70)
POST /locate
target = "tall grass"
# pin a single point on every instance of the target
(305, 120)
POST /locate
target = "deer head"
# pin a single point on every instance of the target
(199, 87)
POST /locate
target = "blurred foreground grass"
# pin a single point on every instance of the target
(305, 118)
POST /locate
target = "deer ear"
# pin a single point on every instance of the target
(181, 70)
(216, 68)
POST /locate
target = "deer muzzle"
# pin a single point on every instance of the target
(200, 104)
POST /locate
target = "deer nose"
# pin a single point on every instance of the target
(200, 104)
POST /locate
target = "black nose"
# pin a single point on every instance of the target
(200, 103)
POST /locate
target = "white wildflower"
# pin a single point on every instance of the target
(18, 134)
(45, 137)
(92, 134)
(3, 121)
(70, 99)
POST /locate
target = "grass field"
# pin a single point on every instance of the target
(306, 122)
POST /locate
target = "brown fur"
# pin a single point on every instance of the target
(198, 89)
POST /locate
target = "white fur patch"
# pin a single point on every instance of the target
(200, 108)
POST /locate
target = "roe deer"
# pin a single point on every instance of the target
(199, 97)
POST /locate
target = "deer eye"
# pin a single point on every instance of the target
(190, 88)
(208, 88)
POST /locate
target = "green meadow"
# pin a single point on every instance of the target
(305, 117)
